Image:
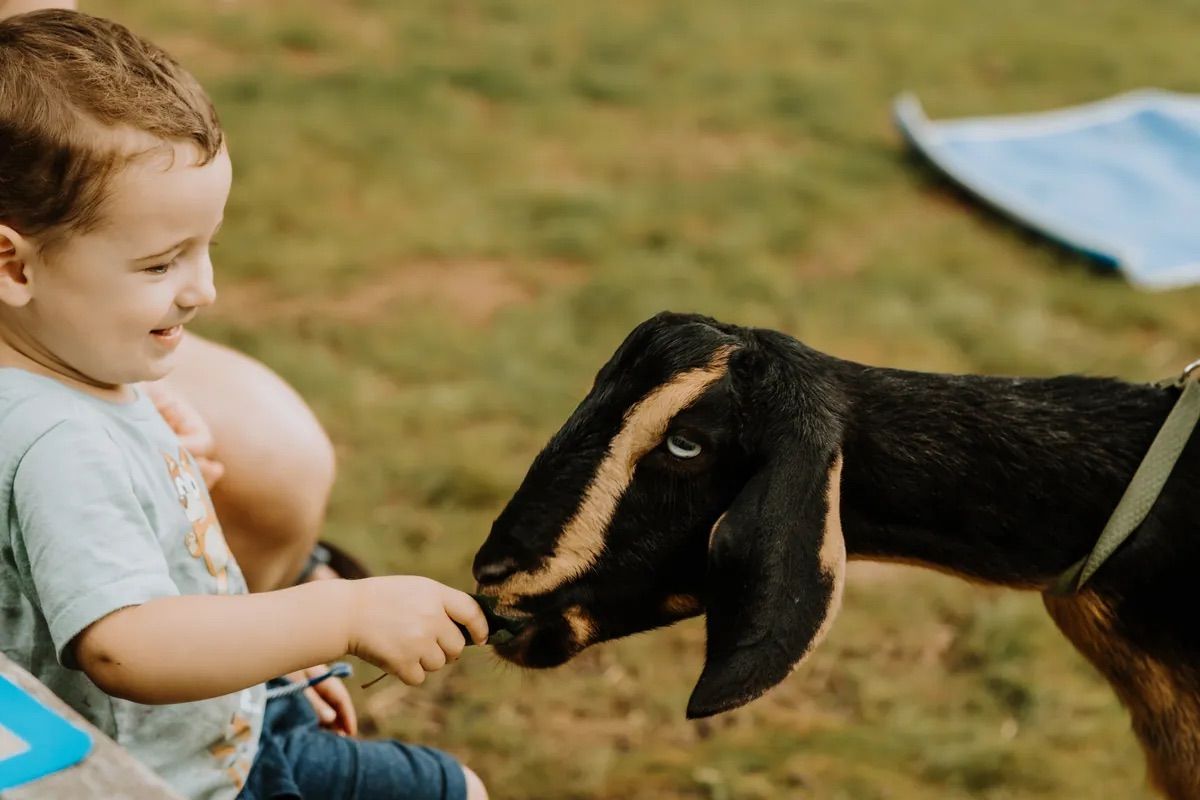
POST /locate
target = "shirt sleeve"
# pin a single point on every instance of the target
(83, 542)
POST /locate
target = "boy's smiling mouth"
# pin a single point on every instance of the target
(172, 333)
(168, 336)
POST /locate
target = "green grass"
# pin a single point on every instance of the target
(447, 214)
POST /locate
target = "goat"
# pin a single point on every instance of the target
(731, 471)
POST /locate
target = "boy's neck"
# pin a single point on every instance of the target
(14, 356)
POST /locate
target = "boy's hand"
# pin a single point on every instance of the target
(191, 428)
(330, 699)
(405, 624)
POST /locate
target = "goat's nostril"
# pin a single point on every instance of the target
(496, 571)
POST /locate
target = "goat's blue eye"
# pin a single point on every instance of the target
(682, 447)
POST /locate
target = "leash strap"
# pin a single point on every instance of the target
(1146, 485)
(338, 670)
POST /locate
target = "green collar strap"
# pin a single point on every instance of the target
(1147, 482)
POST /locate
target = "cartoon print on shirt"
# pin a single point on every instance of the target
(205, 539)
(234, 749)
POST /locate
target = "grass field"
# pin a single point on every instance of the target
(447, 214)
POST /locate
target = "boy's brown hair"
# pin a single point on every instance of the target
(68, 82)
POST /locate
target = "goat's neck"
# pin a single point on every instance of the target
(1003, 480)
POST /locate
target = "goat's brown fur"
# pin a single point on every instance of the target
(1161, 698)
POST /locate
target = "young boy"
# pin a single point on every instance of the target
(116, 587)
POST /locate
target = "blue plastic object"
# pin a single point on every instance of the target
(38, 741)
(1118, 179)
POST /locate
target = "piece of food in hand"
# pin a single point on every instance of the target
(500, 628)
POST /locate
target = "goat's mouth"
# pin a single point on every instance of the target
(549, 640)
(538, 648)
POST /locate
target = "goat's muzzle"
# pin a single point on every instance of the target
(547, 637)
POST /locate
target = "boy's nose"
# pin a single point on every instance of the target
(200, 291)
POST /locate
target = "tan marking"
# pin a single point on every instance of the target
(581, 625)
(1164, 710)
(832, 553)
(582, 540)
(680, 605)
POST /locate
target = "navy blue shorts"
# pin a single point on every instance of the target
(297, 760)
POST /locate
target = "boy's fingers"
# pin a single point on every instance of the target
(325, 712)
(169, 415)
(334, 692)
(211, 471)
(164, 405)
(433, 660)
(452, 642)
(197, 443)
(412, 674)
(175, 418)
(194, 443)
(183, 419)
(348, 716)
(461, 607)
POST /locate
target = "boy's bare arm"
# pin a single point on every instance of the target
(180, 649)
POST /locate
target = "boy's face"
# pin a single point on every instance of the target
(107, 307)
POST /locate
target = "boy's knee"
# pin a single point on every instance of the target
(279, 462)
(309, 464)
(475, 787)
(283, 496)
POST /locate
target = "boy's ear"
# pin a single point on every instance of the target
(16, 284)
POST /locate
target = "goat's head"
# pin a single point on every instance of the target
(699, 475)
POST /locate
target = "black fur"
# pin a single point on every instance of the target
(1003, 480)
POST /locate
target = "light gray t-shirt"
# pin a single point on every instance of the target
(101, 508)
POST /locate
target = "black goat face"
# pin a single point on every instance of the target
(667, 494)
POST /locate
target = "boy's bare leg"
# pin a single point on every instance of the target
(279, 463)
(475, 787)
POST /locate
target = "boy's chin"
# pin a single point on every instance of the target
(140, 373)
(155, 369)
(159, 372)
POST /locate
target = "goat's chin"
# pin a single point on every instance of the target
(539, 648)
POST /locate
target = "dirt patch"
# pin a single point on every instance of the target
(472, 291)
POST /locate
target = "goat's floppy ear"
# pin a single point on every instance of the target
(777, 563)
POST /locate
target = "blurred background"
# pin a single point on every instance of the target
(445, 217)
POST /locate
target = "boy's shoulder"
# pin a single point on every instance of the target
(31, 405)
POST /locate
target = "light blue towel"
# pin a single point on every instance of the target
(1117, 179)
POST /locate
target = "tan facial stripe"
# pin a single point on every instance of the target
(582, 540)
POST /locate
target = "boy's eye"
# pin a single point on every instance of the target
(160, 269)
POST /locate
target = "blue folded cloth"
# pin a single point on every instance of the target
(1118, 179)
